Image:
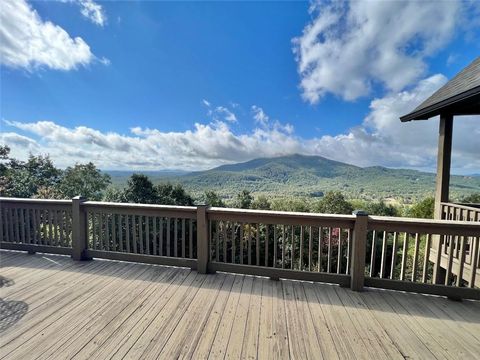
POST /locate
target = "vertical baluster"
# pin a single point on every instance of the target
(426, 258)
(175, 237)
(320, 238)
(217, 241)
(22, 225)
(257, 246)
(50, 227)
(329, 251)
(190, 238)
(155, 236)
(114, 232)
(120, 233)
(224, 232)
(107, 242)
(63, 214)
(339, 254)
(373, 254)
(284, 244)
(310, 249)
(415, 259)
(451, 252)
(16, 222)
(168, 237)
(11, 223)
(160, 242)
(347, 270)
(141, 240)
(41, 230)
(267, 240)
(183, 238)
(241, 243)
(461, 261)
(404, 257)
(134, 234)
(275, 246)
(234, 234)
(2, 237)
(475, 260)
(249, 238)
(127, 233)
(394, 255)
(293, 248)
(55, 227)
(383, 261)
(301, 247)
(147, 235)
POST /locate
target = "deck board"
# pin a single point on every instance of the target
(55, 308)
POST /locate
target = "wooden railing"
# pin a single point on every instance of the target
(281, 244)
(349, 250)
(459, 249)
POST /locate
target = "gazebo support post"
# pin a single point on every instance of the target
(443, 162)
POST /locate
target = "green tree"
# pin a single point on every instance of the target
(113, 195)
(213, 199)
(377, 208)
(244, 200)
(423, 209)
(23, 179)
(261, 203)
(140, 190)
(291, 204)
(85, 180)
(168, 194)
(471, 199)
(333, 203)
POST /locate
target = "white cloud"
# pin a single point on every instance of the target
(29, 42)
(225, 113)
(93, 11)
(381, 139)
(259, 115)
(220, 113)
(349, 46)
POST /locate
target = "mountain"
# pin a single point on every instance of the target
(312, 176)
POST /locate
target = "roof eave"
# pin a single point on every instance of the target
(436, 109)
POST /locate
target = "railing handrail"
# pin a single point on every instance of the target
(465, 206)
(279, 217)
(431, 226)
(35, 201)
(136, 206)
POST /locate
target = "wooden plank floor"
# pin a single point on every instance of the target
(54, 308)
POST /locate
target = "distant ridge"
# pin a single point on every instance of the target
(312, 176)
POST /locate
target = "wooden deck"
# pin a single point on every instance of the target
(55, 308)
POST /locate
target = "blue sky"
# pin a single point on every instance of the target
(153, 85)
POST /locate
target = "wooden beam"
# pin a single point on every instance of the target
(443, 162)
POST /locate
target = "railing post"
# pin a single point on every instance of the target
(79, 229)
(359, 245)
(202, 239)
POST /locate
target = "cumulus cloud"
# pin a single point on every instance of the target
(28, 42)
(381, 139)
(350, 46)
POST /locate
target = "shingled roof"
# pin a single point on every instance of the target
(459, 96)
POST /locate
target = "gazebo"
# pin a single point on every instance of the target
(459, 96)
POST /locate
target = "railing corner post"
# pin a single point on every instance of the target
(79, 229)
(357, 269)
(202, 239)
